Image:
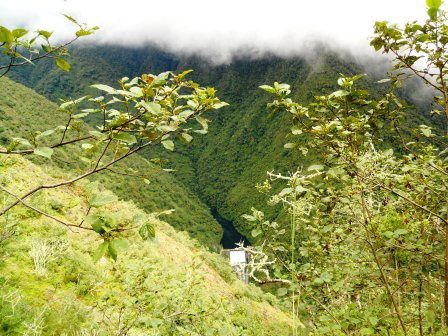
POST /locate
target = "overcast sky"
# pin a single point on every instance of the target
(219, 29)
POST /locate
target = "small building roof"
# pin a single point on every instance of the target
(237, 257)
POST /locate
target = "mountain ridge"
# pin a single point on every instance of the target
(245, 140)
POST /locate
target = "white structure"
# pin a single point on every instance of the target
(237, 257)
(238, 261)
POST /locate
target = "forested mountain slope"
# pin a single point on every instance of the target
(244, 140)
(24, 111)
(50, 285)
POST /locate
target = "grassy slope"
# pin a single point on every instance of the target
(168, 286)
(22, 111)
(244, 140)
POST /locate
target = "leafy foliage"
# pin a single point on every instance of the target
(350, 213)
(24, 112)
(144, 111)
(20, 49)
(365, 205)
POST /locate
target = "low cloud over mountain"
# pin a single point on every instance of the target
(220, 30)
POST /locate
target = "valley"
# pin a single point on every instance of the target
(244, 141)
(206, 170)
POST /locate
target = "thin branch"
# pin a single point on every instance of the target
(102, 154)
(421, 207)
(79, 177)
(30, 151)
(69, 225)
(46, 55)
(65, 129)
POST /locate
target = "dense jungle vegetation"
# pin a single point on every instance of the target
(114, 162)
(244, 141)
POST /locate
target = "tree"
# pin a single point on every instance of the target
(421, 50)
(102, 131)
(377, 197)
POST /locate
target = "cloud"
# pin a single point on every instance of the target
(219, 30)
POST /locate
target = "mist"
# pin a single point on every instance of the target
(219, 30)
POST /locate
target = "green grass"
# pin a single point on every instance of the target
(167, 286)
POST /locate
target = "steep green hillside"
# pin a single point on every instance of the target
(244, 141)
(49, 284)
(23, 111)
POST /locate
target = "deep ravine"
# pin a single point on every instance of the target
(231, 237)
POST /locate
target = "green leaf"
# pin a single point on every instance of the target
(219, 105)
(296, 131)
(147, 231)
(70, 18)
(125, 137)
(203, 122)
(400, 232)
(102, 223)
(167, 128)
(66, 104)
(434, 3)
(377, 43)
(168, 144)
(282, 86)
(256, 232)
(136, 91)
(335, 171)
(45, 33)
(46, 48)
(184, 73)
(80, 115)
(432, 13)
(389, 152)
(340, 93)
(100, 200)
(249, 218)
(6, 35)
(426, 131)
(23, 142)
(45, 133)
(187, 137)
(285, 192)
(83, 32)
(315, 167)
(100, 250)
(96, 223)
(410, 60)
(373, 320)
(63, 64)
(290, 145)
(186, 114)
(300, 189)
(152, 107)
(44, 151)
(267, 88)
(161, 78)
(112, 251)
(105, 88)
(433, 8)
(19, 32)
